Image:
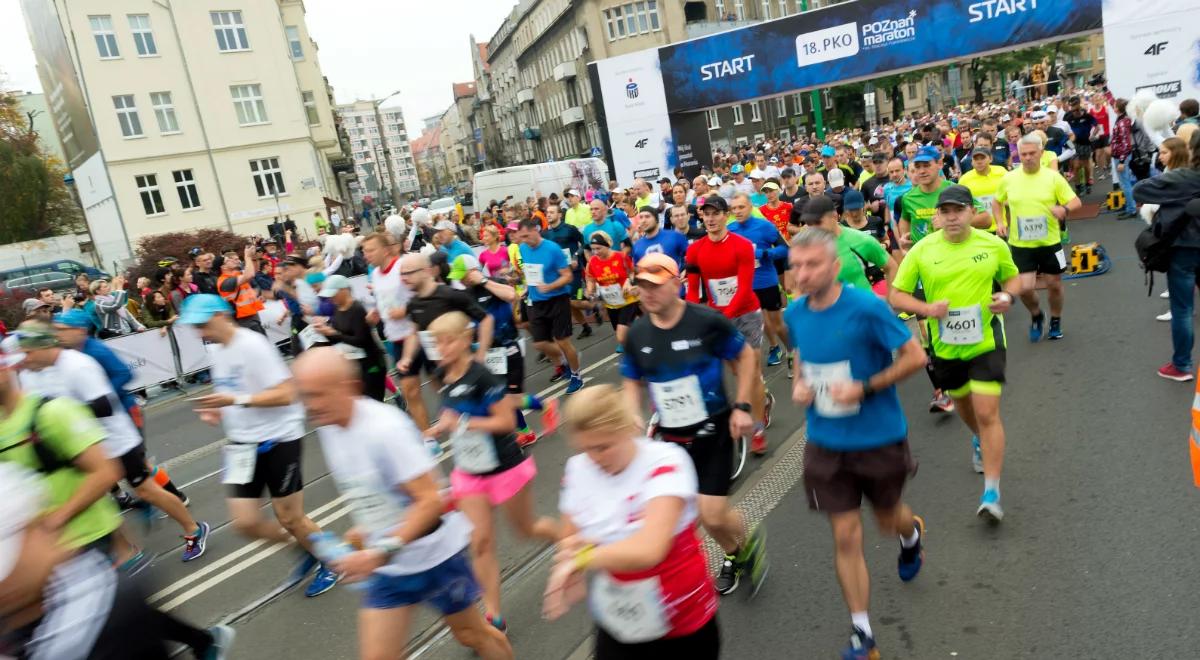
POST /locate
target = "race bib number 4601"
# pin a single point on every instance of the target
(962, 326)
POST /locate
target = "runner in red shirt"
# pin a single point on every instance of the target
(779, 213)
(608, 278)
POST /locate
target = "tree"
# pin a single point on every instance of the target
(1014, 61)
(37, 203)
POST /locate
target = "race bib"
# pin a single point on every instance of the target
(309, 337)
(679, 402)
(723, 290)
(533, 274)
(632, 612)
(1032, 228)
(820, 377)
(240, 459)
(962, 326)
(612, 295)
(474, 451)
(497, 361)
(429, 345)
(371, 509)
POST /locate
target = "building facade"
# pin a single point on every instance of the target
(205, 114)
(372, 147)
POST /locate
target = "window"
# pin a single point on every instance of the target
(185, 185)
(293, 39)
(127, 115)
(737, 115)
(268, 180)
(714, 121)
(230, 31)
(147, 186)
(164, 112)
(106, 39)
(247, 100)
(781, 107)
(632, 19)
(143, 38)
(766, 10)
(912, 91)
(310, 108)
(783, 10)
(1100, 53)
(827, 98)
(756, 111)
(739, 11)
(798, 104)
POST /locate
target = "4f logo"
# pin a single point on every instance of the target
(1156, 49)
(640, 144)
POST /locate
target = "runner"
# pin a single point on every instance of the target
(676, 351)
(769, 245)
(1037, 201)
(391, 297)
(722, 265)
(780, 214)
(254, 400)
(403, 545)
(570, 240)
(490, 468)
(959, 267)
(609, 277)
(863, 261)
(629, 506)
(671, 242)
(549, 309)
(857, 434)
(983, 179)
(349, 331)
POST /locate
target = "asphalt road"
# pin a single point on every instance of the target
(1093, 559)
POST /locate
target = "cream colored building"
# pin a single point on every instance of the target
(207, 114)
(372, 148)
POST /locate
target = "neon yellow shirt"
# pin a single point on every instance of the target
(578, 216)
(983, 188)
(1029, 198)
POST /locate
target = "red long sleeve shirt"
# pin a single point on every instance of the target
(726, 269)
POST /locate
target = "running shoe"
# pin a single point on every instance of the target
(586, 332)
(976, 455)
(775, 356)
(989, 505)
(941, 402)
(620, 349)
(526, 439)
(768, 406)
(1165, 294)
(754, 557)
(560, 372)
(1055, 329)
(323, 582)
(498, 622)
(303, 567)
(575, 385)
(729, 576)
(862, 646)
(910, 560)
(1035, 329)
(134, 564)
(222, 641)
(125, 501)
(550, 417)
(1170, 372)
(194, 544)
(1165, 316)
(758, 443)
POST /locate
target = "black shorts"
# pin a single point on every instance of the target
(276, 469)
(769, 298)
(711, 447)
(1044, 259)
(624, 315)
(704, 644)
(133, 462)
(514, 370)
(420, 363)
(550, 319)
(1083, 151)
(1100, 142)
(837, 481)
(955, 376)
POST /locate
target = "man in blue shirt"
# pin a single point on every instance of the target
(570, 241)
(845, 375)
(548, 275)
(769, 245)
(446, 238)
(655, 240)
(601, 222)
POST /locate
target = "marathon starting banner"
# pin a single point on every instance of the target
(1154, 45)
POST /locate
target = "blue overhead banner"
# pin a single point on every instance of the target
(855, 40)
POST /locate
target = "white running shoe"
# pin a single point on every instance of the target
(1166, 316)
(1164, 295)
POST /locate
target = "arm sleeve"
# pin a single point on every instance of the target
(68, 427)
(358, 332)
(119, 373)
(779, 247)
(874, 252)
(629, 367)
(744, 254)
(101, 407)
(1062, 190)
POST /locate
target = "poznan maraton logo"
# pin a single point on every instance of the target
(882, 33)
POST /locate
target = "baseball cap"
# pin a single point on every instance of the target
(758, 174)
(1037, 115)
(1005, 118)
(657, 268)
(879, 157)
(955, 194)
(816, 208)
(573, 193)
(770, 185)
(774, 159)
(873, 141)
(333, 284)
(836, 177)
(980, 151)
(714, 181)
(852, 200)
(74, 318)
(462, 265)
(198, 308)
(444, 225)
(1052, 108)
(828, 151)
(31, 335)
(294, 260)
(664, 180)
(715, 201)
(31, 304)
(927, 154)
(618, 189)
(736, 169)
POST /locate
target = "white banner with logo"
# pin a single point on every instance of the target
(193, 356)
(1152, 44)
(148, 355)
(635, 109)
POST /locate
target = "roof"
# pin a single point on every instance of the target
(431, 138)
(483, 54)
(464, 90)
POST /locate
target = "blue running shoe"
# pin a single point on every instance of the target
(775, 356)
(620, 349)
(222, 640)
(862, 647)
(989, 506)
(575, 385)
(912, 558)
(323, 582)
(305, 566)
(1055, 329)
(195, 543)
(976, 455)
(1035, 329)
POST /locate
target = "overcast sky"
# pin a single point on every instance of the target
(367, 48)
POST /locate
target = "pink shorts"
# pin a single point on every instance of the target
(499, 487)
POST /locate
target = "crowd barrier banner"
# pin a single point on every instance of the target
(148, 355)
(270, 317)
(1152, 44)
(193, 355)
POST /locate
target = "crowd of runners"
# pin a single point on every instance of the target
(849, 264)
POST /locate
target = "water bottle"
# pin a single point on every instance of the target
(329, 547)
(433, 446)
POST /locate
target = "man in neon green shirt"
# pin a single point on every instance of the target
(578, 215)
(855, 249)
(1037, 201)
(919, 205)
(983, 179)
(958, 267)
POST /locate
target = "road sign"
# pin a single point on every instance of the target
(597, 153)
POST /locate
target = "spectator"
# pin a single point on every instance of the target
(181, 286)
(1122, 153)
(82, 286)
(157, 312)
(50, 298)
(203, 274)
(108, 305)
(234, 287)
(36, 310)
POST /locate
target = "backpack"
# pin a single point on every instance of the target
(1154, 247)
(48, 459)
(1143, 154)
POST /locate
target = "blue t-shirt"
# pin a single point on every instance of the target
(568, 238)
(857, 333)
(671, 243)
(620, 217)
(549, 256)
(758, 199)
(455, 249)
(611, 227)
(768, 246)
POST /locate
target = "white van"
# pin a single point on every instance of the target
(522, 181)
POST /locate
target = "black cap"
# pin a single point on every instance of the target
(716, 201)
(665, 180)
(816, 208)
(879, 157)
(294, 260)
(978, 151)
(956, 194)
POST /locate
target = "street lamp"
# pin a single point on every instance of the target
(387, 155)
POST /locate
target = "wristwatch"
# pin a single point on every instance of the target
(1007, 296)
(867, 389)
(742, 406)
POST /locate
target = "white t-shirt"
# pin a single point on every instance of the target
(390, 293)
(370, 460)
(75, 375)
(250, 364)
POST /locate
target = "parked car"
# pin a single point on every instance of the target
(521, 181)
(58, 275)
(442, 205)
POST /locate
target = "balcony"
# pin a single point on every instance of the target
(524, 95)
(565, 71)
(571, 116)
(697, 29)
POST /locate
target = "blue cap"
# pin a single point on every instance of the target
(75, 318)
(852, 200)
(198, 308)
(737, 169)
(927, 155)
(828, 152)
